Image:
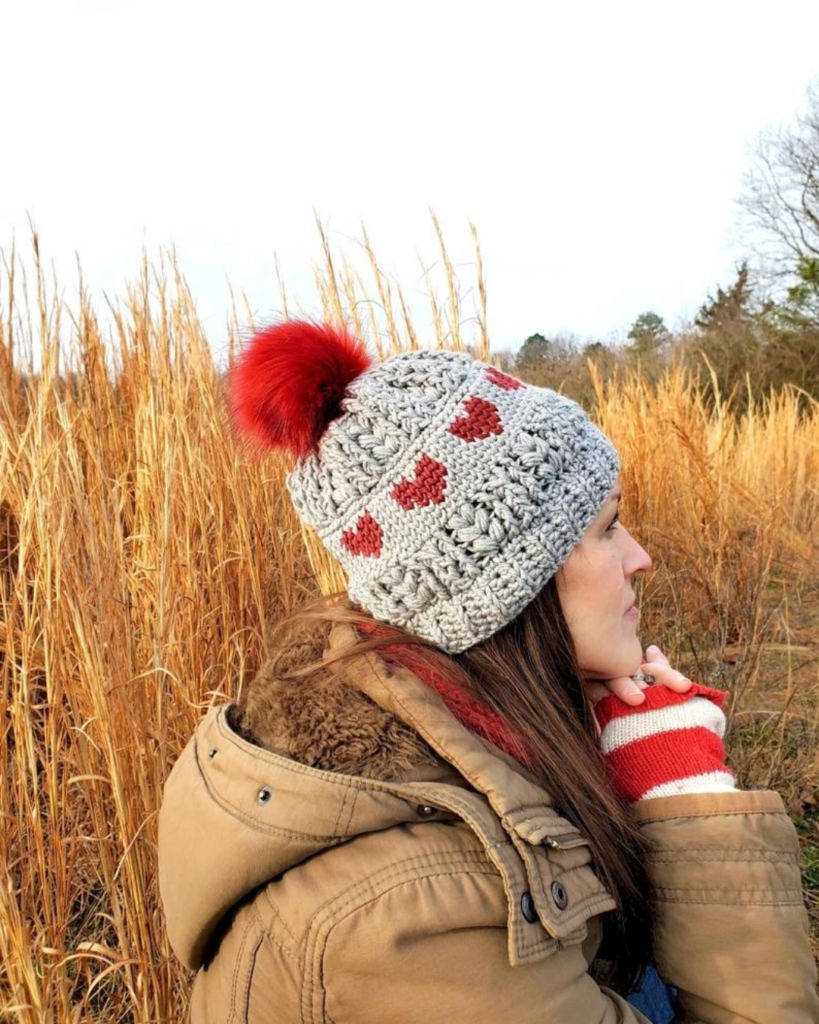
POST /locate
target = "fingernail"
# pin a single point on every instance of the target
(653, 648)
(633, 690)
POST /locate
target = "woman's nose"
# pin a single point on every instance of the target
(643, 561)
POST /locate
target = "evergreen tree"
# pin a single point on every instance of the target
(800, 310)
(533, 350)
(730, 306)
(647, 333)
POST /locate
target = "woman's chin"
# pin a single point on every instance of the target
(626, 663)
(629, 662)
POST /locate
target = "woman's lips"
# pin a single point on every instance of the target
(633, 612)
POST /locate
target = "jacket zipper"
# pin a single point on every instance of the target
(565, 841)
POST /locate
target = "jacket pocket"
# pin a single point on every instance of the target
(221, 989)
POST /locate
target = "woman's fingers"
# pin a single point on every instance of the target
(596, 691)
(653, 653)
(630, 690)
(627, 689)
(667, 676)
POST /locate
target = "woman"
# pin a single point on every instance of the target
(450, 796)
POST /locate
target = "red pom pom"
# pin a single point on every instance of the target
(288, 383)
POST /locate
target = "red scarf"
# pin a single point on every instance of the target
(469, 711)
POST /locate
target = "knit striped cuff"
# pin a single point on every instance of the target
(669, 744)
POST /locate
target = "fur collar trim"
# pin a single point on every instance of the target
(329, 724)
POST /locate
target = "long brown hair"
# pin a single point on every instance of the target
(528, 674)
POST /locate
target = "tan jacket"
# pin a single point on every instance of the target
(310, 896)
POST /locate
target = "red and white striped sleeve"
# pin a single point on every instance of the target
(669, 744)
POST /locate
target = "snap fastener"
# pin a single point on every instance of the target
(527, 905)
(211, 753)
(560, 896)
(264, 795)
(424, 811)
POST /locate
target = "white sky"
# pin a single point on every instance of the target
(599, 148)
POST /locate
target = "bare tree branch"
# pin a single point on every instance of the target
(781, 199)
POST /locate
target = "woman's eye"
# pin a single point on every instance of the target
(610, 528)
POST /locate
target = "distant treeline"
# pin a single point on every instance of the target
(737, 343)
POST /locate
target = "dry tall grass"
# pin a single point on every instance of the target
(141, 555)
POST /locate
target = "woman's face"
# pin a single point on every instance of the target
(595, 586)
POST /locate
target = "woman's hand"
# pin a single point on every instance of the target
(630, 690)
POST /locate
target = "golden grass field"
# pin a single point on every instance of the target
(142, 554)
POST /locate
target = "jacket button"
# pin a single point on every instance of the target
(527, 905)
(424, 811)
(560, 896)
(264, 795)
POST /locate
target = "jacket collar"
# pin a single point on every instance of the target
(483, 765)
(506, 807)
(218, 841)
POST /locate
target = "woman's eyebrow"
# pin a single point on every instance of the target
(616, 497)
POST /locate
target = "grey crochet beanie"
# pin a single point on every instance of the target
(450, 492)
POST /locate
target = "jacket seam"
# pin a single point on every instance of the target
(342, 805)
(676, 850)
(264, 935)
(791, 897)
(399, 867)
(320, 841)
(248, 980)
(476, 856)
(745, 812)
(237, 968)
(277, 914)
(334, 920)
(728, 856)
(393, 869)
(346, 824)
(540, 809)
(270, 937)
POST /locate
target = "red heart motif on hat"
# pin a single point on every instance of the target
(481, 421)
(503, 380)
(366, 539)
(428, 485)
